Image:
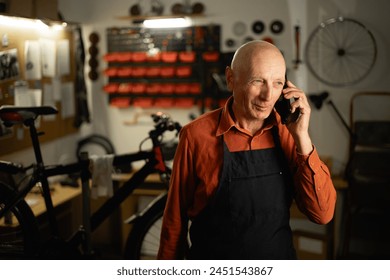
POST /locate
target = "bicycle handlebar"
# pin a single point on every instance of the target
(163, 123)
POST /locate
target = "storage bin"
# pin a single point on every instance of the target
(167, 88)
(167, 71)
(124, 88)
(153, 88)
(182, 88)
(195, 88)
(152, 71)
(124, 72)
(124, 57)
(187, 56)
(164, 102)
(184, 102)
(138, 72)
(169, 57)
(210, 56)
(111, 57)
(111, 72)
(120, 102)
(143, 102)
(183, 71)
(111, 88)
(139, 56)
(138, 87)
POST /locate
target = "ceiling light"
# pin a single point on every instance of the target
(167, 23)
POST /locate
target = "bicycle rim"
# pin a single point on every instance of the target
(144, 239)
(341, 52)
(19, 234)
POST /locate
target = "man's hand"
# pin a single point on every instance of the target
(299, 129)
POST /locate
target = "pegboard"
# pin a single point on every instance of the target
(161, 67)
(13, 37)
(195, 38)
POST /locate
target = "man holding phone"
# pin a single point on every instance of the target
(238, 168)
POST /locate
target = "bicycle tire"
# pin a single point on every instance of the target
(99, 145)
(95, 139)
(341, 52)
(19, 240)
(144, 238)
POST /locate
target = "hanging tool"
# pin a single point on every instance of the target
(82, 114)
(297, 60)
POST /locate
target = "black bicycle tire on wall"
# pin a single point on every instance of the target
(100, 140)
(18, 242)
(341, 52)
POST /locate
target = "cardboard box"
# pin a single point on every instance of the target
(20, 8)
(311, 246)
(46, 9)
(42, 9)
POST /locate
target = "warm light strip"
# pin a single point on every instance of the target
(167, 23)
(22, 22)
(19, 22)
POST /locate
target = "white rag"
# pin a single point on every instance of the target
(101, 169)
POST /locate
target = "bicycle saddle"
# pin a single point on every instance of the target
(10, 167)
(11, 115)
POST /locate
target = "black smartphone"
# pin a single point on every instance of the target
(283, 107)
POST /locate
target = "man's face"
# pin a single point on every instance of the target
(257, 87)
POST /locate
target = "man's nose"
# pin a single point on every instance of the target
(266, 92)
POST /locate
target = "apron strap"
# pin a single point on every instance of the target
(283, 161)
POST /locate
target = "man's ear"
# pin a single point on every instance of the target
(229, 78)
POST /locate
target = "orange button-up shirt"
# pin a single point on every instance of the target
(198, 164)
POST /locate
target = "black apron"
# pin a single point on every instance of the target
(249, 215)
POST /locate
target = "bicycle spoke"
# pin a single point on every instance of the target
(151, 241)
(340, 52)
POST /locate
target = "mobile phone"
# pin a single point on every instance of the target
(283, 107)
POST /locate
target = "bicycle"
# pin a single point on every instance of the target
(22, 239)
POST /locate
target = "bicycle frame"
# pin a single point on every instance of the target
(90, 221)
(154, 163)
(40, 176)
(108, 207)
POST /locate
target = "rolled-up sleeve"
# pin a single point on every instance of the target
(315, 194)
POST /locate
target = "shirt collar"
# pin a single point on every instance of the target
(226, 121)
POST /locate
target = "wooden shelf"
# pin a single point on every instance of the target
(60, 194)
(139, 18)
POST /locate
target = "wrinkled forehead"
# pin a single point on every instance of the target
(256, 54)
(259, 61)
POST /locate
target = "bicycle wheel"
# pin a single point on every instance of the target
(341, 52)
(144, 239)
(19, 238)
(95, 144)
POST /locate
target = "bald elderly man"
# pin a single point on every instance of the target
(237, 169)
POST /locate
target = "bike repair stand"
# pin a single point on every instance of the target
(85, 228)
